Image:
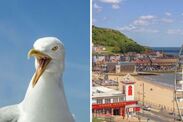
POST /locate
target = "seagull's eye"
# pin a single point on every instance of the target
(54, 48)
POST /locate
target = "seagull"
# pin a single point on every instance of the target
(45, 100)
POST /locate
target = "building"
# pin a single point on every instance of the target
(121, 67)
(155, 64)
(98, 49)
(114, 102)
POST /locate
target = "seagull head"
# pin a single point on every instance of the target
(49, 57)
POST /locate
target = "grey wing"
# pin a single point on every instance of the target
(9, 113)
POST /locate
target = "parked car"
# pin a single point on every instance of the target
(146, 107)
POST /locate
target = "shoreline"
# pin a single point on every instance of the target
(158, 84)
(155, 94)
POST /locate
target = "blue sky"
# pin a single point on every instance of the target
(156, 23)
(21, 23)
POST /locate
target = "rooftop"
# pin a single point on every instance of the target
(101, 91)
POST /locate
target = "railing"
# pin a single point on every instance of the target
(177, 97)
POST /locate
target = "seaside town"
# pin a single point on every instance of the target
(121, 93)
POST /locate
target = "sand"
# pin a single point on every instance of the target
(156, 95)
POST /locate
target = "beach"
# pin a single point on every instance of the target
(155, 94)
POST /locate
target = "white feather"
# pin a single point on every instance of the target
(46, 102)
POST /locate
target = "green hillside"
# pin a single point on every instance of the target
(114, 41)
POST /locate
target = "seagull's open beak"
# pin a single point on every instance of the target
(43, 61)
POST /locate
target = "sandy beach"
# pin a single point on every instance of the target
(156, 95)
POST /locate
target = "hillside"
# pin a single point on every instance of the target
(114, 41)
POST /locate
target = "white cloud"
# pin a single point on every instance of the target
(115, 6)
(97, 7)
(175, 31)
(147, 17)
(144, 20)
(150, 19)
(146, 30)
(132, 28)
(111, 1)
(182, 14)
(128, 28)
(138, 25)
(166, 20)
(168, 14)
(115, 3)
(140, 22)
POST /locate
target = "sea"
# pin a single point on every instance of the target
(167, 50)
(166, 79)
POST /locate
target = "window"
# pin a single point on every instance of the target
(121, 99)
(129, 90)
(108, 100)
(99, 101)
(115, 100)
(123, 89)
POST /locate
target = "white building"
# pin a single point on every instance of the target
(102, 95)
(114, 102)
